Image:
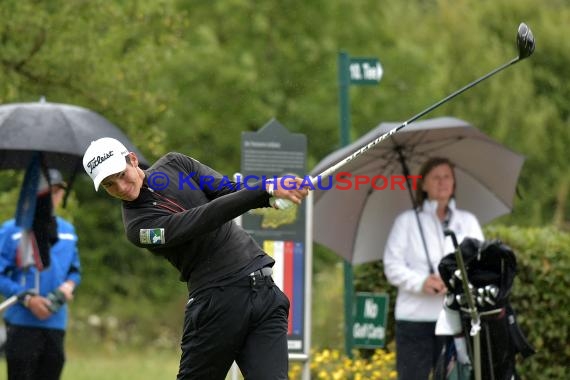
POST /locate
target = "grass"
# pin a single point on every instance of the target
(122, 367)
(119, 366)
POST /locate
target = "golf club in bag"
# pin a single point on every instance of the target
(479, 277)
(525, 45)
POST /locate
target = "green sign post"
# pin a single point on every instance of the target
(359, 71)
(369, 326)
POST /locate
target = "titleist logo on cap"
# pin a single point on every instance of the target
(98, 160)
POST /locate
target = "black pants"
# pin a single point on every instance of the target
(34, 353)
(417, 349)
(245, 322)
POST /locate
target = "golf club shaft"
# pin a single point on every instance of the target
(333, 169)
(284, 203)
(475, 320)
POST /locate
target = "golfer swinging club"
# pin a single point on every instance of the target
(234, 310)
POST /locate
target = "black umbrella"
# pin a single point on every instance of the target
(37, 136)
(62, 132)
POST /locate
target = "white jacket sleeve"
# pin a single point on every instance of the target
(396, 254)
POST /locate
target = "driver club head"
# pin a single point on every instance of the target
(525, 41)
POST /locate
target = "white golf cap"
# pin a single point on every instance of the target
(103, 158)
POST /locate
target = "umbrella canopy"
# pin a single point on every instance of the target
(355, 223)
(61, 132)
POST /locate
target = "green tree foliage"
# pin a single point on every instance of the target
(191, 75)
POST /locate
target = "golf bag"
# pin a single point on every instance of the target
(491, 268)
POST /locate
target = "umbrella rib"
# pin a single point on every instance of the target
(388, 160)
(409, 147)
(69, 125)
(9, 115)
(419, 138)
(413, 154)
(389, 154)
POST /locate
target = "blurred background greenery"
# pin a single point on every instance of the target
(191, 76)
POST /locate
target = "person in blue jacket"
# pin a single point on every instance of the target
(36, 325)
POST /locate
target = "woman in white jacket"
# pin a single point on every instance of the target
(406, 266)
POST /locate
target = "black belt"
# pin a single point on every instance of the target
(257, 277)
(260, 275)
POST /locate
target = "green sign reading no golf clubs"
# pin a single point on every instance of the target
(369, 327)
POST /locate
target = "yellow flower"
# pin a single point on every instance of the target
(338, 375)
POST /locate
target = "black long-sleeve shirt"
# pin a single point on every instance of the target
(190, 222)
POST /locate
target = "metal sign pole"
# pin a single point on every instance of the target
(358, 71)
(344, 104)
